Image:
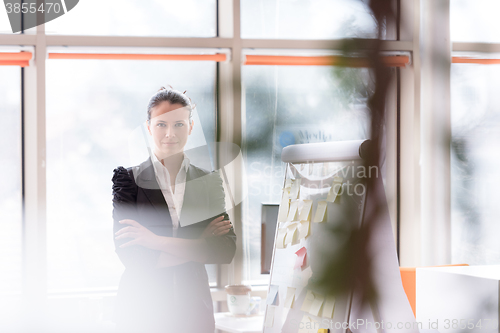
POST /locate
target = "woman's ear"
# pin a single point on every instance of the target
(149, 129)
(191, 127)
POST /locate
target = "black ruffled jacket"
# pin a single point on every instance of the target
(171, 299)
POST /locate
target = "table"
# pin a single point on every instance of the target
(459, 299)
(227, 322)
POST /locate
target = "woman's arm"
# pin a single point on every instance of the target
(175, 251)
(217, 227)
(223, 247)
(124, 207)
(184, 249)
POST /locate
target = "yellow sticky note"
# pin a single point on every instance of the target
(283, 210)
(295, 189)
(286, 193)
(304, 229)
(290, 297)
(328, 307)
(269, 316)
(306, 325)
(310, 169)
(305, 213)
(320, 212)
(323, 330)
(292, 212)
(335, 189)
(280, 241)
(291, 234)
(317, 304)
(308, 300)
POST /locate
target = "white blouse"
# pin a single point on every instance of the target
(176, 199)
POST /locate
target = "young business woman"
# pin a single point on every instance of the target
(169, 221)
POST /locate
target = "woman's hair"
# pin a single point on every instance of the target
(173, 97)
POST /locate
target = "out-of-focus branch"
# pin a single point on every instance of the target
(348, 269)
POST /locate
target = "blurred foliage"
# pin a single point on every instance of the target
(347, 267)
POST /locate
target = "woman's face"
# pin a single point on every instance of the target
(169, 128)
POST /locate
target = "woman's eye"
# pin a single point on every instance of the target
(161, 125)
(179, 124)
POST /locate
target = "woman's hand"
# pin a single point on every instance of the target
(140, 235)
(217, 227)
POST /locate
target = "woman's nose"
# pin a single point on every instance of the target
(169, 131)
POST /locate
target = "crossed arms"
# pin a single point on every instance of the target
(174, 251)
(138, 247)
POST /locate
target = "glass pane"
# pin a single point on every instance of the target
(314, 19)
(291, 105)
(10, 191)
(94, 107)
(475, 174)
(475, 21)
(187, 18)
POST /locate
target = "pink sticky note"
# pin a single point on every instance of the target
(301, 255)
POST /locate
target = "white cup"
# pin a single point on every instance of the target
(239, 301)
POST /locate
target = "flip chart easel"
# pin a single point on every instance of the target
(315, 193)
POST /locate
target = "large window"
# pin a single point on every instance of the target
(475, 173)
(11, 189)
(292, 105)
(187, 18)
(316, 19)
(475, 128)
(475, 21)
(95, 109)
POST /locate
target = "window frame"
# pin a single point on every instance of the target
(411, 118)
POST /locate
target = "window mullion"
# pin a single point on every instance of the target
(34, 180)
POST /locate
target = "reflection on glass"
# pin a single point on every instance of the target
(187, 18)
(291, 105)
(474, 159)
(93, 106)
(316, 19)
(474, 21)
(10, 191)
